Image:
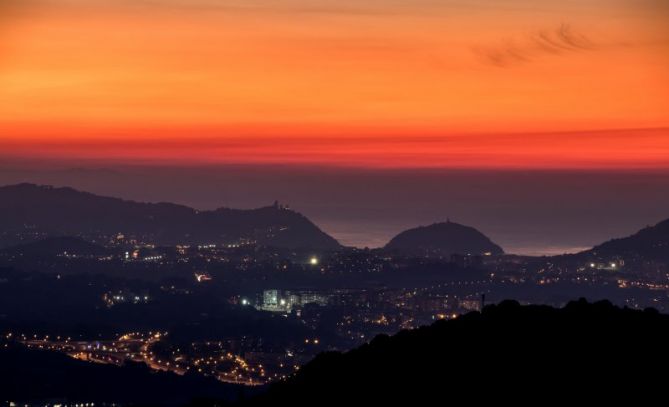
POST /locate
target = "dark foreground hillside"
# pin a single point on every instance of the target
(507, 354)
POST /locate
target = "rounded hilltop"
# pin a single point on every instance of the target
(444, 238)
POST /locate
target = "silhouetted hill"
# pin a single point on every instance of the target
(650, 243)
(444, 238)
(57, 246)
(32, 375)
(506, 354)
(28, 208)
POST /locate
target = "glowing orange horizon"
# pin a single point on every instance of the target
(567, 150)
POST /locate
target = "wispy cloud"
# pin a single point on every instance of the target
(559, 41)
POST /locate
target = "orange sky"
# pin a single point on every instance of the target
(390, 83)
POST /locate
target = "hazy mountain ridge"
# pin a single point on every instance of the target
(53, 212)
(651, 242)
(65, 211)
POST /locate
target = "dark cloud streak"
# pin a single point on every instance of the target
(559, 41)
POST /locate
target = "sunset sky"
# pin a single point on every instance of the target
(381, 83)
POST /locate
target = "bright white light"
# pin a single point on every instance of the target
(313, 261)
(245, 301)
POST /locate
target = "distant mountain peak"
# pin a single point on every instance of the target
(445, 238)
(650, 243)
(62, 211)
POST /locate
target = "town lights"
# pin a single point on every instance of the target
(313, 261)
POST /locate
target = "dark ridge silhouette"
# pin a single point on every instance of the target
(445, 238)
(650, 243)
(33, 375)
(507, 354)
(26, 208)
(57, 246)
